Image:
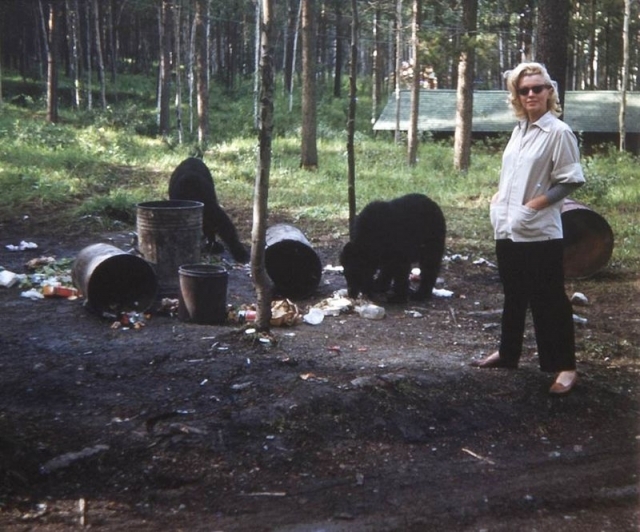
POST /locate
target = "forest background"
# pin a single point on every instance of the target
(113, 94)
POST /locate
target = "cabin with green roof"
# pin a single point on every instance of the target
(592, 115)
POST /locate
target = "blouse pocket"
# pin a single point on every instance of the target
(528, 223)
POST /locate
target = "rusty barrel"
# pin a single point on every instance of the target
(112, 280)
(290, 261)
(588, 240)
(169, 235)
(203, 293)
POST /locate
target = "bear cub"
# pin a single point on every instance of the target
(191, 180)
(388, 237)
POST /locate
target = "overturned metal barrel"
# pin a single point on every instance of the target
(292, 264)
(112, 280)
(588, 240)
(169, 235)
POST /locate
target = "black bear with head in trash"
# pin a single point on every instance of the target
(192, 180)
(387, 238)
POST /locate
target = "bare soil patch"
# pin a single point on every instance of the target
(353, 424)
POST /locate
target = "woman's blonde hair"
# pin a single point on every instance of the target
(529, 69)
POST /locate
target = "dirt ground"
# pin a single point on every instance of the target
(349, 425)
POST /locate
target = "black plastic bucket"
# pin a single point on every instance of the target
(112, 280)
(588, 240)
(203, 294)
(291, 262)
(169, 234)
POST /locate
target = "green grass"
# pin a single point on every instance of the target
(96, 165)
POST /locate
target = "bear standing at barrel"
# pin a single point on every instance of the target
(387, 238)
(192, 180)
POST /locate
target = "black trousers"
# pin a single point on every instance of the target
(532, 276)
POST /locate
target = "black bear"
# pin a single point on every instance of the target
(387, 238)
(191, 180)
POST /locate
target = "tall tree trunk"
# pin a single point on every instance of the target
(291, 37)
(262, 282)
(337, 77)
(71, 9)
(398, 58)
(412, 138)
(309, 149)
(625, 75)
(464, 98)
(201, 75)
(53, 32)
(256, 72)
(177, 66)
(89, 56)
(99, 55)
(376, 82)
(295, 54)
(164, 74)
(351, 121)
(552, 40)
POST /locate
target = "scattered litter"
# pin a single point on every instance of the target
(330, 268)
(413, 314)
(480, 262)
(241, 386)
(442, 292)
(315, 316)
(22, 246)
(311, 377)
(129, 320)
(578, 298)
(8, 279)
(65, 460)
(456, 257)
(32, 294)
(414, 275)
(39, 262)
(284, 313)
(371, 311)
(57, 290)
(336, 304)
(579, 319)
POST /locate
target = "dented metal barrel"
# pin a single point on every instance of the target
(169, 235)
(588, 240)
(112, 280)
(292, 264)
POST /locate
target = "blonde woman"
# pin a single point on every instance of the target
(540, 167)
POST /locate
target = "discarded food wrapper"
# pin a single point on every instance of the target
(330, 268)
(441, 292)
(315, 316)
(579, 319)
(578, 298)
(59, 291)
(371, 311)
(32, 294)
(38, 262)
(8, 279)
(22, 246)
(284, 313)
(336, 305)
(481, 261)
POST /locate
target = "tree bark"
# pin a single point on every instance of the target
(412, 137)
(201, 76)
(309, 149)
(625, 76)
(100, 55)
(164, 85)
(52, 62)
(398, 58)
(351, 122)
(337, 77)
(464, 98)
(262, 282)
(552, 40)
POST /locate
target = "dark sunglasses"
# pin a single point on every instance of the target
(537, 89)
